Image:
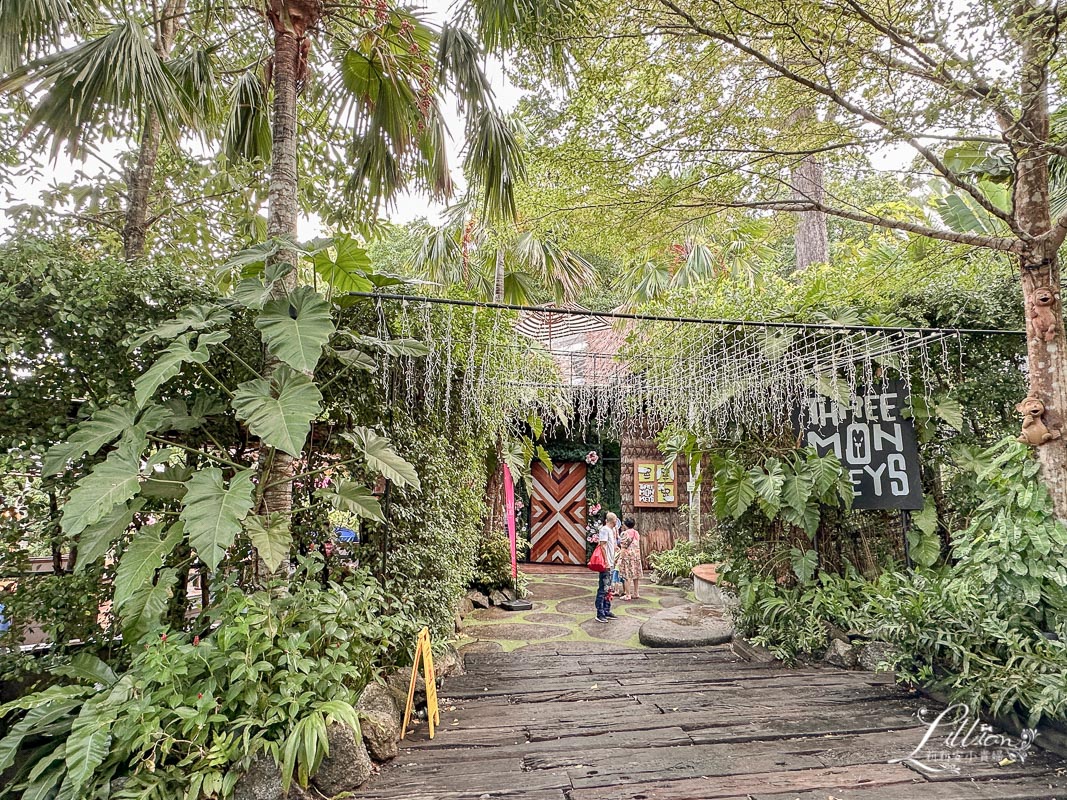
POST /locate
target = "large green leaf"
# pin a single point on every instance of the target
(170, 362)
(346, 270)
(354, 498)
(97, 538)
(380, 456)
(806, 517)
(271, 536)
(89, 668)
(924, 548)
(88, 745)
(142, 558)
(142, 611)
(168, 483)
(196, 318)
(279, 411)
(734, 491)
(213, 513)
(796, 490)
(296, 327)
(392, 347)
(102, 428)
(804, 562)
(112, 482)
(35, 719)
(768, 486)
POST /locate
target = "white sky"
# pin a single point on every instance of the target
(408, 207)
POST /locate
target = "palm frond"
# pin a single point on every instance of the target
(461, 68)
(194, 72)
(494, 163)
(566, 274)
(247, 134)
(539, 26)
(30, 27)
(101, 85)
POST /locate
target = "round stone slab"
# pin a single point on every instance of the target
(686, 626)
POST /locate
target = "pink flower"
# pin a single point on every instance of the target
(591, 457)
(518, 505)
(595, 508)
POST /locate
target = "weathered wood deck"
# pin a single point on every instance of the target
(581, 721)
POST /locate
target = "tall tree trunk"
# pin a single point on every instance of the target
(498, 283)
(291, 21)
(139, 187)
(812, 242)
(1039, 265)
(139, 182)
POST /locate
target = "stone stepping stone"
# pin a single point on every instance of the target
(518, 631)
(690, 625)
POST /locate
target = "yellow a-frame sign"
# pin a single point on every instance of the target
(423, 652)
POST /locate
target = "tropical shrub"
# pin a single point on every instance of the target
(678, 561)
(190, 711)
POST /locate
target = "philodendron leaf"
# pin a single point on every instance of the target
(104, 427)
(112, 482)
(924, 548)
(142, 558)
(201, 317)
(170, 362)
(295, 328)
(804, 564)
(142, 612)
(279, 411)
(380, 456)
(392, 347)
(97, 539)
(213, 513)
(346, 271)
(358, 359)
(271, 537)
(354, 498)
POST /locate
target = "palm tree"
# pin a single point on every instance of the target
(381, 75)
(500, 261)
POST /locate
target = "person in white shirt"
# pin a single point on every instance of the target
(606, 539)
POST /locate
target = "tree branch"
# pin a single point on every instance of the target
(831, 94)
(1001, 243)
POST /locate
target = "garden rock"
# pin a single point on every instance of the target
(840, 654)
(683, 582)
(478, 599)
(465, 606)
(262, 780)
(448, 663)
(874, 653)
(496, 597)
(380, 720)
(347, 767)
(691, 625)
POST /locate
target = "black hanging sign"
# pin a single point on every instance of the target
(873, 440)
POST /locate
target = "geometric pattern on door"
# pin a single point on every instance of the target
(557, 514)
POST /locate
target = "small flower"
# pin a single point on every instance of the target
(196, 641)
(163, 637)
(595, 508)
(518, 505)
(199, 696)
(591, 457)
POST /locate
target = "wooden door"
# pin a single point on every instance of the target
(557, 514)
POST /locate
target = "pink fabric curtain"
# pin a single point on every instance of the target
(509, 514)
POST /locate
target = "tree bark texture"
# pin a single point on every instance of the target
(1039, 264)
(139, 182)
(498, 283)
(291, 21)
(812, 242)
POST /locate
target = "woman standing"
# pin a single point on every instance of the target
(629, 561)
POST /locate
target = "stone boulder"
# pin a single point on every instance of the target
(478, 600)
(380, 719)
(841, 654)
(448, 663)
(872, 654)
(347, 767)
(464, 606)
(690, 625)
(261, 781)
(496, 597)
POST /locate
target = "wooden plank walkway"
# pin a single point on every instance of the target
(580, 721)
